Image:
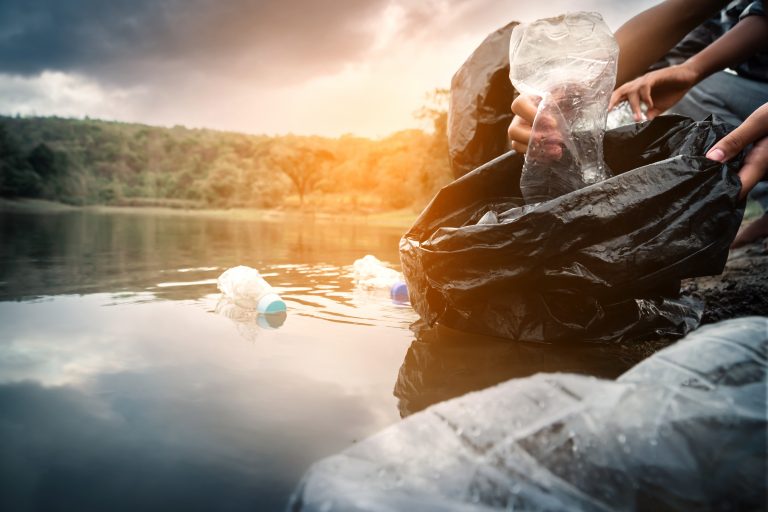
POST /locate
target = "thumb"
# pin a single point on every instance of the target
(753, 128)
(728, 147)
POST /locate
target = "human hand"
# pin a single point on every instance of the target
(519, 132)
(659, 90)
(754, 129)
(547, 138)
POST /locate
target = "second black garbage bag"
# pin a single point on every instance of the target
(602, 263)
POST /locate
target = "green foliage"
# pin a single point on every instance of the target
(88, 161)
(17, 177)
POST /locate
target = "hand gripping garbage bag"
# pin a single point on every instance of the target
(683, 430)
(601, 263)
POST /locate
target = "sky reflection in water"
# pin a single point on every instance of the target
(121, 387)
(126, 383)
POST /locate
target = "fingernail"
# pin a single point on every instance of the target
(716, 154)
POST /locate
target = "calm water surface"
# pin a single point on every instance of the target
(126, 385)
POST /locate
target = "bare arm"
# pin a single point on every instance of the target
(748, 37)
(662, 88)
(647, 37)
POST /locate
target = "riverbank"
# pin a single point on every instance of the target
(394, 219)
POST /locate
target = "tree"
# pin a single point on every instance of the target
(435, 111)
(16, 176)
(46, 162)
(435, 170)
(304, 163)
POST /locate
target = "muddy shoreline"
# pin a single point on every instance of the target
(742, 288)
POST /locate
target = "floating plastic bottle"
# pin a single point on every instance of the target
(569, 62)
(369, 272)
(246, 288)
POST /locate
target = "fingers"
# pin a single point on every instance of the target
(633, 97)
(615, 99)
(520, 148)
(622, 93)
(753, 128)
(754, 168)
(519, 131)
(525, 107)
(645, 95)
(547, 140)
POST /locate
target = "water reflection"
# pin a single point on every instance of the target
(443, 363)
(247, 320)
(126, 385)
(79, 252)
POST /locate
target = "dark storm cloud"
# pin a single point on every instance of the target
(125, 39)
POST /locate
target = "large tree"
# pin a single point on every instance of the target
(303, 162)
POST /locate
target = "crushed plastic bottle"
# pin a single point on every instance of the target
(245, 287)
(568, 61)
(683, 430)
(370, 272)
(622, 115)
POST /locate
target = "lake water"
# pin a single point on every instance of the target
(125, 385)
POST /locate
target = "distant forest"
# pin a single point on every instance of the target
(99, 162)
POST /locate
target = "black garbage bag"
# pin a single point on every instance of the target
(479, 113)
(602, 263)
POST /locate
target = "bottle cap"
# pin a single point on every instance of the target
(399, 293)
(270, 303)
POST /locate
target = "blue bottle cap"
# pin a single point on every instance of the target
(270, 303)
(399, 293)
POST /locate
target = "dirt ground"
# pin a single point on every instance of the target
(742, 288)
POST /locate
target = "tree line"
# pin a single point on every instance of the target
(100, 162)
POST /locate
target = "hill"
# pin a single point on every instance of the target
(100, 162)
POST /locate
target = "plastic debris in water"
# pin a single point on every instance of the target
(249, 322)
(399, 293)
(369, 272)
(245, 287)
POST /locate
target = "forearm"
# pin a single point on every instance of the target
(748, 37)
(647, 37)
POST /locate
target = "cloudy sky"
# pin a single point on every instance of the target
(259, 66)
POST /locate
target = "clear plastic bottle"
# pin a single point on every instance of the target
(245, 287)
(569, 62)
